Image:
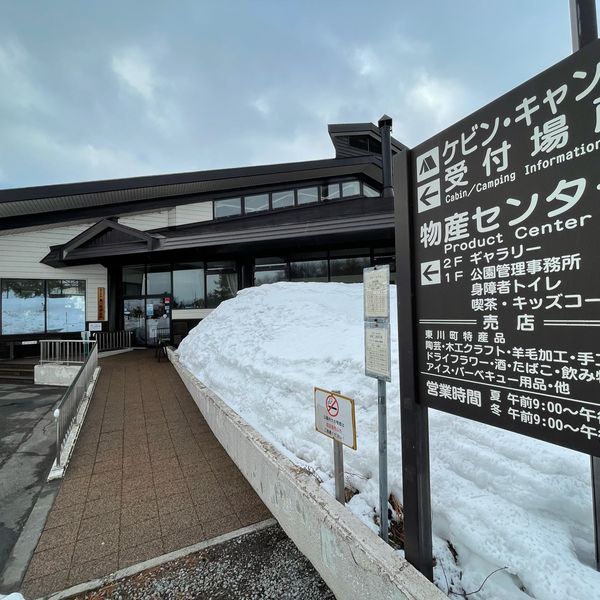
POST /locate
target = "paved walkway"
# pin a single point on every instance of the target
(147, 477)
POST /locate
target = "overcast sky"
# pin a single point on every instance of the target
(97, 90)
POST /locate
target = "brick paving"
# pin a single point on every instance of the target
(147, 477)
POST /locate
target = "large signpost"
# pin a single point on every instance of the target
(507, 225)
(498, 246)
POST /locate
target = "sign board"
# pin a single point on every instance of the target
(95, 327)
(377, 350)
(101, 304)
(376, 283)
(506, 214)
(334, 417)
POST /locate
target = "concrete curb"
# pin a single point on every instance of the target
(351, 559)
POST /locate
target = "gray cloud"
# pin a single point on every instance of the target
(102, 90)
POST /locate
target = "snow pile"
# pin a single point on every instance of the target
(14, 596)
(501, 499)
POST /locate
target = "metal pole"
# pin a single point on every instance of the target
(584, 31)
(383, 462)
(414, 418)
(338, 468)
(338, 471)
(56, 418)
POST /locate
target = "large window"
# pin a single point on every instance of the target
(221, 282)
(308, 195)
(308, 268)
(330, 191)
(269, 270)
(350, 188)
(188, 285)
(283, 199)
(40, 306)
(159, 280)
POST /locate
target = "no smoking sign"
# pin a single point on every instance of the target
(334, 416)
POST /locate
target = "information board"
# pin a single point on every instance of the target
(376, 283)
(334, 416)
(506, 214)
(377, 350)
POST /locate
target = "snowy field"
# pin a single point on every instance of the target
(501, 499)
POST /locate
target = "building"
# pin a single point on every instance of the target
(157, 254)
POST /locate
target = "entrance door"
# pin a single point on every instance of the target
(135, 321)
(158, 320)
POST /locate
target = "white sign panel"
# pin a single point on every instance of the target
(377, 350)
(334, 417)
(377, 292)
(95, 327)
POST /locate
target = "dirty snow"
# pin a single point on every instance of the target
(501, 499)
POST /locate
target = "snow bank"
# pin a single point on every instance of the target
(501, 499)
(14, 596)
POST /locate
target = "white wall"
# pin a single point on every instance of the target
(20, 255)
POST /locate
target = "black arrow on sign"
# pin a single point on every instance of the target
(428, 271)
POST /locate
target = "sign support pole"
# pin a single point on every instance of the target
(415, 425)
(338, 471)
(584, 30)
(383, 459)
(338, 468)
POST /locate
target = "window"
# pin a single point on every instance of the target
(159, 280)
(308, 268)
(188, 285)
(269, 270)
(330, 191)
(348, 270)
(221, 282)
(133, 280)
(283, 199)
(228, 208)
(256, 203)
(39, 306)
(308, 195)
(350, 188)
(370, 192)
(65, 305)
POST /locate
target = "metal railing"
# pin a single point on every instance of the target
(112, 340)
(65, 414)
(65, 352)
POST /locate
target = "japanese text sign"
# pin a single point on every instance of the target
(376, 283)
(334, 417)
(506, 214)
(377, 350)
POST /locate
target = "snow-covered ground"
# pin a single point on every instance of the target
(501, 499)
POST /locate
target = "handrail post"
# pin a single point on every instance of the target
(58, 444)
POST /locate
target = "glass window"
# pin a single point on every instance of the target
(330, 191)
(188, 285)
(308, 270)
(269, 270)
(308, 195)
(350, 188)
(370, 192)
(23, 306)
(228, 208)
(282, 199)
(134, 317)
(256, 203)
(221, 283)
(159, 280)
(348, 270)
(133, 280)
(66, 305)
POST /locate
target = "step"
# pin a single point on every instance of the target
(16, 379)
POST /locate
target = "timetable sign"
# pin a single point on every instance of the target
(506, 214)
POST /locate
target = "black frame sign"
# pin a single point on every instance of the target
(506, 218)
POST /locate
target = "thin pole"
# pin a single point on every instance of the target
(338, 470)
(383, 462)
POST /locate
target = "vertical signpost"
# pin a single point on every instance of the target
(503, 218)
(376, 281)
(335, 418)
(584, 28)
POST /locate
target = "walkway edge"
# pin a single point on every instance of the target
(94, 584)
(351, 559)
